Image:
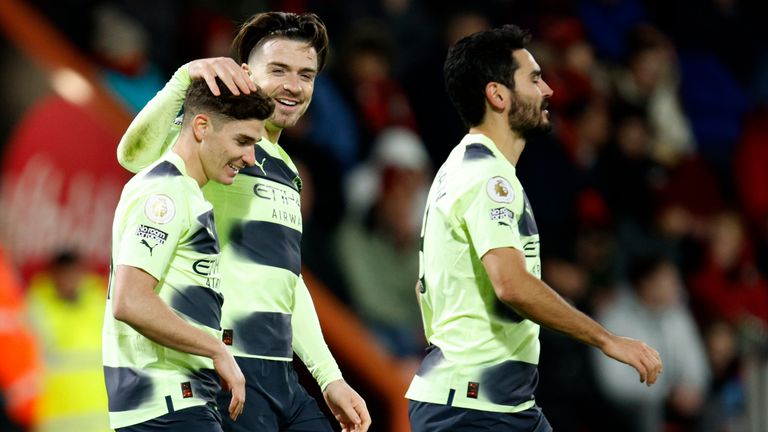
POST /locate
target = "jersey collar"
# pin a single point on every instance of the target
(176, 160)
(484, 140)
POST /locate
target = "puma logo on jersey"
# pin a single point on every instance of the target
(261, 165)
(144, 242)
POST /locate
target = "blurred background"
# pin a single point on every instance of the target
(651, 195)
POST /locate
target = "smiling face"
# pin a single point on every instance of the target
(528, 112)
(285, 69)
(228, 147)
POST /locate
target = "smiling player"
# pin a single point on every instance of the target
(162, 335)
(269, 313)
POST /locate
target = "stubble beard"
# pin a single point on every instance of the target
(284, 121)
(527, 120)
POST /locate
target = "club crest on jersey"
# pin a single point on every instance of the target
(160, 209)
(500, 190)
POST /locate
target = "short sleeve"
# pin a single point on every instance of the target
(492, 214)
(152, 227)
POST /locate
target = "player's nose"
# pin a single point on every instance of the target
(249, 157)
(291, 84)
(546, 90)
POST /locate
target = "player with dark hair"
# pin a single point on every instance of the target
(162, 345)
(269, 313)
(200, 100)
(480, 291)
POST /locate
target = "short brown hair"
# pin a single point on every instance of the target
(199, 99)
(262, 27)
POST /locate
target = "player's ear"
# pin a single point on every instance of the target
(247, 69)
(201, 126)
(495, 96)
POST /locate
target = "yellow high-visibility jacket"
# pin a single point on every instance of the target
(74, 396)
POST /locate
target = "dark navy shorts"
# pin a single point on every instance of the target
(427, 417)
(203, 418)
(274, 400)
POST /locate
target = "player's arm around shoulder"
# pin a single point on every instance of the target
(146, 139)
(535, 300)
(151, 131)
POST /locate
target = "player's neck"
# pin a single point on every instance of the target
(507, 141)
(189, 151)
(273, 132)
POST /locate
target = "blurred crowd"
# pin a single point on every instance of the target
(651, 195)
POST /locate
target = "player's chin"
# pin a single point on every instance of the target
(285, 120)
(226, 179)
(545, 125)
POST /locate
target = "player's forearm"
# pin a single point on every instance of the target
(135, 303)
(150, 316)
(309, 345)
(536, 301)
(144, 141)
(308, 341)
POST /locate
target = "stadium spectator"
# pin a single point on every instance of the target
(652, 308)
(650, 82)
(366, 78)
(725, 406)
(378, 242)
(66, 310)
(727, 285)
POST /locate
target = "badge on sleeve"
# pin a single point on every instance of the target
(500, 190)
(160, 209)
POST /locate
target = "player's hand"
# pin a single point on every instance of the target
(230, 73)
(347, 406)
(637, 354)
(232, 379)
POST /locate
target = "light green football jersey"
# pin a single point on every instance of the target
(258, 218)
(259, 222)
(269, 312)
(163, 226)
(482, 354)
